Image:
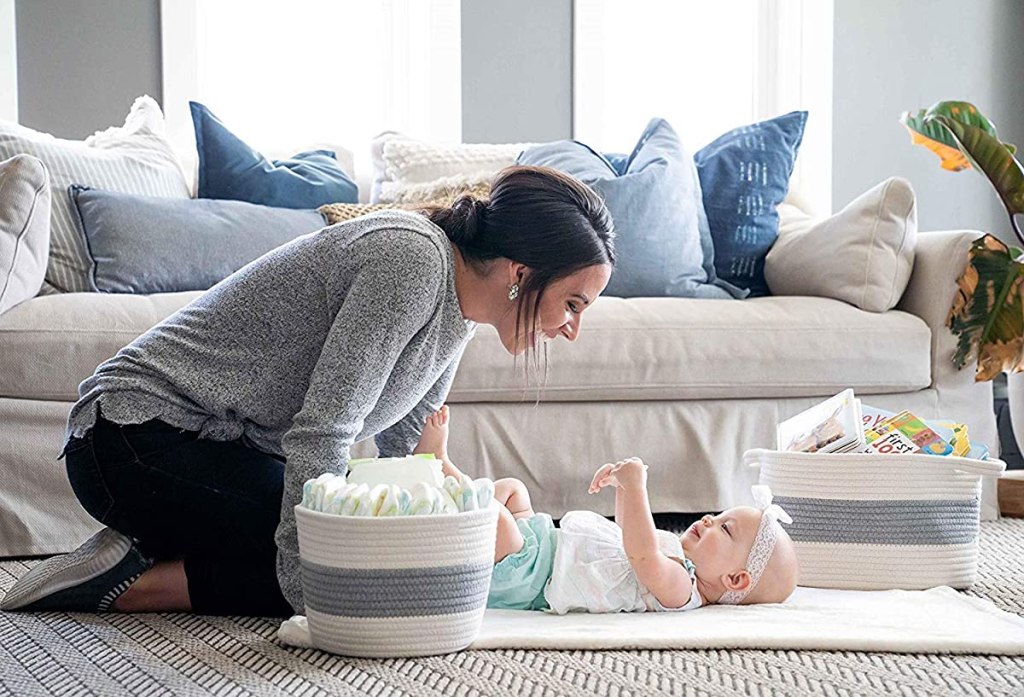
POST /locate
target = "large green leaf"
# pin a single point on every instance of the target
(927, 131)
(987, 316)
(991, 157)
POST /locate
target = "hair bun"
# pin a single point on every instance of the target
(470, 213)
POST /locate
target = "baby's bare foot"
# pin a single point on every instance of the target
(434, 439)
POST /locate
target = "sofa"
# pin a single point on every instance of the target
(686, 384)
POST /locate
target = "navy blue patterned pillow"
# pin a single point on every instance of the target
(744, 175)
(230, 169)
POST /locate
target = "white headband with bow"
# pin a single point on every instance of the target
(764, 542)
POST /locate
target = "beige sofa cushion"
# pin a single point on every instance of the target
(630, 349)
(51, 343)
(863, 254)
(682, 348)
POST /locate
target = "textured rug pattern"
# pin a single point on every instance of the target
(175, 654)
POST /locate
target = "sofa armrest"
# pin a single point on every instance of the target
(939, 259)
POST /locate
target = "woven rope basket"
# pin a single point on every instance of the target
(395, 586)
(875, 522)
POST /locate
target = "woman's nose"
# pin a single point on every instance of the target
(571, 329)
(706, 521)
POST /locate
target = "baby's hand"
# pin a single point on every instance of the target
(602, 478)
(630, 473)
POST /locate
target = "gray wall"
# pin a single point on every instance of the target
(516, 70)
(892, 57)
(81, 64)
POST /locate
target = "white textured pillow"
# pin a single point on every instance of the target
(862, 255)
(406, 169)
(24, 228)
(132, 159)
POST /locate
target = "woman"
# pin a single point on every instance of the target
(192, 444)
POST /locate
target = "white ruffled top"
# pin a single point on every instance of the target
(592, 573)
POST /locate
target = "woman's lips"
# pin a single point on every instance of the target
(694, 530)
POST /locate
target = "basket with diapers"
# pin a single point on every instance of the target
(881, 500)
(396, 560)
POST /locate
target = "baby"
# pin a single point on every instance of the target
(740, 556)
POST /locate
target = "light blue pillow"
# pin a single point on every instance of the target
(148, 244)
(744, 175)
(662, 244)
(230, 169)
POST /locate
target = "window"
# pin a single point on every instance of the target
(285, 76)
(707, 67)
(8, 63)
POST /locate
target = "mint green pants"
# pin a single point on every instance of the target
(518, 580)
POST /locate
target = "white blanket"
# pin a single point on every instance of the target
(939, 620)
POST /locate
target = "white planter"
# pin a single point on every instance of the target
(1015, 396)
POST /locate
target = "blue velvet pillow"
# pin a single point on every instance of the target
(230, 169)
(662, 243)
(744, 175)
(149, 244)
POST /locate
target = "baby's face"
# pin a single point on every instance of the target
(719, 545)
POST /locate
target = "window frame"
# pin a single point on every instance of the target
(792, 70)
(181, 77)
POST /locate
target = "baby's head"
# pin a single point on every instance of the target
(719, 547)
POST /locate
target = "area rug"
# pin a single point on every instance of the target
(172, 654)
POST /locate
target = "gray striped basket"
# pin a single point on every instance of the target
(874, 522)
(395, 586)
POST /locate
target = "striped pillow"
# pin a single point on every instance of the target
(878, 522)
(133, 159)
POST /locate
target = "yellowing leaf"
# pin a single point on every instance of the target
(950, 157)
(987, 316)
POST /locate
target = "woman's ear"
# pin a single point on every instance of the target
(517, 272)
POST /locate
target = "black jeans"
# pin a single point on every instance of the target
(214, 504)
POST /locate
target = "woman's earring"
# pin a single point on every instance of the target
(513, 291)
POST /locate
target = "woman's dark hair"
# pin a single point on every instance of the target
(537, 216)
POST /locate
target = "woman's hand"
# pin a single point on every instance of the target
(629, 474)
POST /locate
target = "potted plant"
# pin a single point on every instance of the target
(987, 315)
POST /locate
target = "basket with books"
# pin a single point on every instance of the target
(879, 500)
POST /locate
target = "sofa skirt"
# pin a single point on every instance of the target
(694, 450)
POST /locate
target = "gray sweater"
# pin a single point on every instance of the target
(346, 333)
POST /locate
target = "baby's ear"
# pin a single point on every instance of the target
(737, 580)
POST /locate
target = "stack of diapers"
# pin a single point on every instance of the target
(396, 560)
(335, 494)
(873, 521)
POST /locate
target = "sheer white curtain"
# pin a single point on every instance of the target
(288, 75)
(707, 67)
(8, 63)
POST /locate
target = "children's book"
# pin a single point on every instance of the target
(905, 433)
(953, 432)
(833, 426)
